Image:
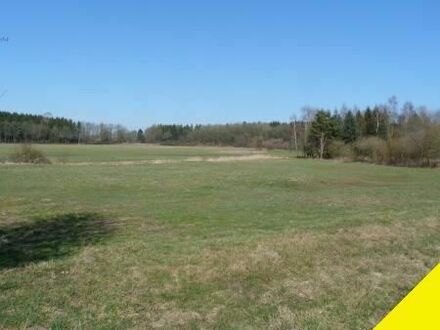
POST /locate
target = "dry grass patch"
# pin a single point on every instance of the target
(335, 278)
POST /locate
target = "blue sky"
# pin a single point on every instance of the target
(144, 62)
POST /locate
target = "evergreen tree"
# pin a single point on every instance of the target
(350, 129)
(360, 123)
(140, 137)
(370, 122)
(322, 131)
(338, 124)
(17, 127)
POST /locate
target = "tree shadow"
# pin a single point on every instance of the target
(51, 238)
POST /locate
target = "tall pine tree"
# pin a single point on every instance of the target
(322, 130)
(349, 129)
(360, 123)
(370, 122)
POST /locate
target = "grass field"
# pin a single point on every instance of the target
(243, 243)
(121, 152)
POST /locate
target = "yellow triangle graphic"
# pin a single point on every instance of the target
(420, 309)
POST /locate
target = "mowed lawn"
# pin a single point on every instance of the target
(94, 241)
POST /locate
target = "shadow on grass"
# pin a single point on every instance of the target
(50, 238)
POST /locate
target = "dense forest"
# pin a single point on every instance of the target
(18, 128)
(259, 135)
(15, 127)
(386, 133)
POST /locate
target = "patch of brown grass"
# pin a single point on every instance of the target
(334, 278)
(323, 272)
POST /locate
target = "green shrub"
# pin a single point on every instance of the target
(28, 154)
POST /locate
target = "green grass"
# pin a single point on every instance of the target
(120, 152)
(264, 243)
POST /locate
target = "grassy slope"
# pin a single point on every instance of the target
(258, 244)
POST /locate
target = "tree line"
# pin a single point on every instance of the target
(385, 133)
(258, 135)
(27, 128)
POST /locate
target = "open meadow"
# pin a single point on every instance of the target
(142, 236)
